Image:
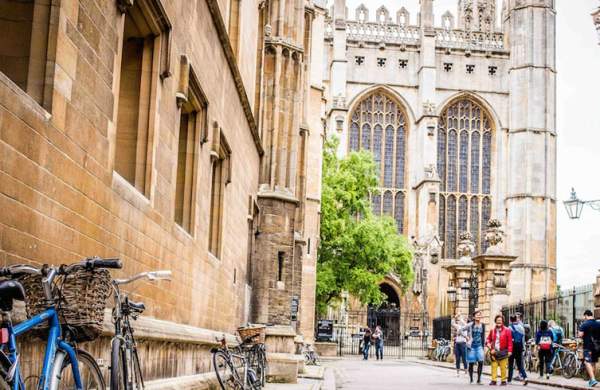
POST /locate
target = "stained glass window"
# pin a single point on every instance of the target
(383, 131)
(452, 160)
(377, 135)
(463, 210)
(487, 162)
(388, 157)
(388, 203)
(399, 211)
(400, 147)
(366, 137)
(464, 160)
(354, 136)
(464, 164)
(376, 203)
(451, 228)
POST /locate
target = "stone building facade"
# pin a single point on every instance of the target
(175, 135)
(459, 114)
(596, 18)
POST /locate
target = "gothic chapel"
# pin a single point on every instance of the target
(459, 114)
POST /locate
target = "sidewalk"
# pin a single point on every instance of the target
(556, 381)
(313, 378)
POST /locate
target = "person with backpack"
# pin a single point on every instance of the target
(558, 335)
(589, 331)
(475, 345)
(518, 336)
(500, 344)
(544, 339)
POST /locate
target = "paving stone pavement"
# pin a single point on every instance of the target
(354, 374)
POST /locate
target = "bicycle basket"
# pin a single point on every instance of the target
(82, 297)
(254, 333)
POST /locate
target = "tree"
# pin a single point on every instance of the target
(357, 249)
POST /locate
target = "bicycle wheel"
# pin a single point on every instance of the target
(261, 370)
(569, 366)
(226, 373)
(137, 372)
(118, 379)
(4, 367)
(89, 372)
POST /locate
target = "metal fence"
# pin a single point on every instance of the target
(405, 347)
(442, 328)
(566, 308)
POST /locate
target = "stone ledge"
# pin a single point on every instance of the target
(196, 382)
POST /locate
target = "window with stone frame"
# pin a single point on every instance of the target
(378, 124)
(192, 131)
(464, 158)
(220, 177)
(144, 59)
(28, 51)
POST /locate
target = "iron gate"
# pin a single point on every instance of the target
(406, 335)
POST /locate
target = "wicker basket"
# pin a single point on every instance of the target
(253, 333)
(82, 297)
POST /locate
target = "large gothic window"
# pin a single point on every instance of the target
(378, 124)
(464, 165)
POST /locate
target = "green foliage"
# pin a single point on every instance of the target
(355, 254)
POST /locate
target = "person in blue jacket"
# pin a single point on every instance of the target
(544, 340)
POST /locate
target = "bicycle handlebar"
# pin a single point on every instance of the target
(151, 275)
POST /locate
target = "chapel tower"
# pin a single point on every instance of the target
(531, 189)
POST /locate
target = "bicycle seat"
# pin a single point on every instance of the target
(137, 306)
(10, 290)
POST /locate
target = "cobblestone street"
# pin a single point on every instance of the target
(393, 374)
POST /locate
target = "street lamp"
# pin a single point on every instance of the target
(574, 205)
(464, 289)
(451, 294)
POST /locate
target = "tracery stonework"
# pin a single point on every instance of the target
(378, 124)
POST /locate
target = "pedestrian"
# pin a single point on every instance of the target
(366, 344)
(557, 339)
(518, 337)
(475, 344)
(543, 339)
(378, 341)
(589, 331)
(500, 344)
(460, 342)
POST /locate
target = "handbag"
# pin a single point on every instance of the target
(501, 355)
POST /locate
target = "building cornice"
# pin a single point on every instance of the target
(217, 18)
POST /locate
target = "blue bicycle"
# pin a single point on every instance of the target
(65, 366)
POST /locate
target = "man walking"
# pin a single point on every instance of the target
(589, 331)
(460, 342)
(518, 336)
(558, 335)
(366, 344)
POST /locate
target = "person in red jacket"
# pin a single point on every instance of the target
(500, 344)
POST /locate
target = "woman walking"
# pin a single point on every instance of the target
(378, 340)
(475, 343)
(500, 343)
(460, 342)
(543, 339)
(366, 344)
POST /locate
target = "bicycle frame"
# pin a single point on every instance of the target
(54, 344)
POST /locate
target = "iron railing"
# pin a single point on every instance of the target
(566, 308)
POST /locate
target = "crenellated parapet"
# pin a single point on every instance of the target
(475, 30)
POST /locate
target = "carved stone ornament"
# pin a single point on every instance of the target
(494, 236)
(500, 279)
(419, 254)
(429, 108)
(339, 101)
(268, 30)
(465, 247)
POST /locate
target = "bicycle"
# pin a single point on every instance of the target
(125, 367)
(442, 350)
(573, 364)
(529, 358)
(224, 363)
(310, 355)
(52, 298)
(560, 353)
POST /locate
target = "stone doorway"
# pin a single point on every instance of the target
(387, 315)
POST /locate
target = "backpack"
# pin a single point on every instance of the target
(517, 336)
(545, 343)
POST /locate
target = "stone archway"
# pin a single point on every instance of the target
(387, 315)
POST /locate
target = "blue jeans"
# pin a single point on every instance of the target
(379, 349)
(366, 347)
(460, 354)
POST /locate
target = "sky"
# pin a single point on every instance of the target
(578, 127)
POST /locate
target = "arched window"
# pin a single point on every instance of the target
(379, 123)
(464, 162)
